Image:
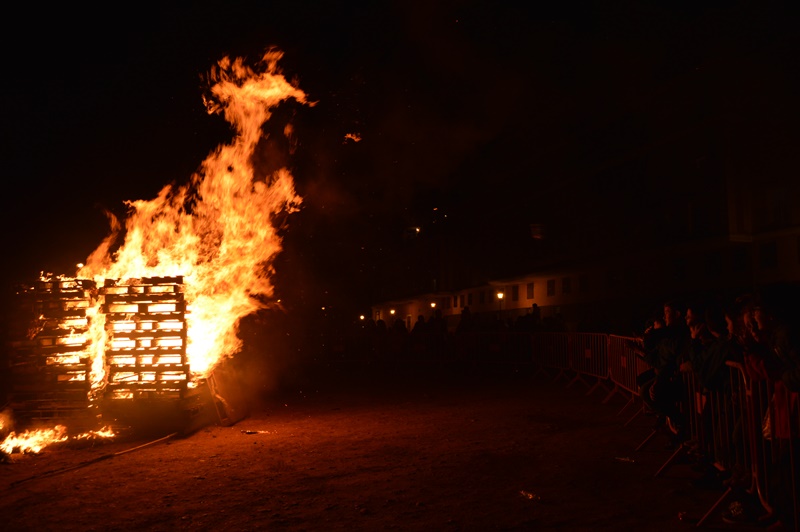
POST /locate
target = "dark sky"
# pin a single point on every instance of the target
(455, 103)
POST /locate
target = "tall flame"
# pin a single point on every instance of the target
(218, 231)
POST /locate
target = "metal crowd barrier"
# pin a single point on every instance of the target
(550, 353)
(747, 428)
(769, 419)
(588, 357)
(726, 427)
(625, 364)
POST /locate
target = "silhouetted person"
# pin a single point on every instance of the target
(536, 316)
(664, 350)
(419, 327)
(437, 330)
(418, 338)
(772, 358)
(397, 342)
(380, 341)
(466, 323)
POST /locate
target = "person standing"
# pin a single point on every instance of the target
(665, 348)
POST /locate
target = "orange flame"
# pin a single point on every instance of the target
(105, 433)
(218, 231)
(33, 441)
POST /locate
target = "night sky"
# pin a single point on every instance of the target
(456, 103)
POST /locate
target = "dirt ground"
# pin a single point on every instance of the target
(400, 449)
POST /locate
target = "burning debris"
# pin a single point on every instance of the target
(34, 441)
(152, 340)
(52, 362)
(146, 339)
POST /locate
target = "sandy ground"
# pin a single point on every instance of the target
(410, 448)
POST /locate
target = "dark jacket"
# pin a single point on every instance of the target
(666, 348)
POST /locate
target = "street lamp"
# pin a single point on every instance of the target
(500, 296)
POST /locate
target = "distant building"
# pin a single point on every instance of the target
(690, 191)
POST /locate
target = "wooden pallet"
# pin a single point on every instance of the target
(49, 358)
(146, 339)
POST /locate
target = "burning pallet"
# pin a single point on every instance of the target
(147, 371)
(51, 363)
(146, 345)
(147, 381)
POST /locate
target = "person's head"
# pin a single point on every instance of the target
(753, 318)
(693, 317)
(695, 312)
(673, 313)
(762, 319)
(741, 317)
(734, 324)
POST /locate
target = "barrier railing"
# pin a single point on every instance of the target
(624, 366)
(747, 427)
(588, 357)
(726, 427)
(550, 352)
(771, 423)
